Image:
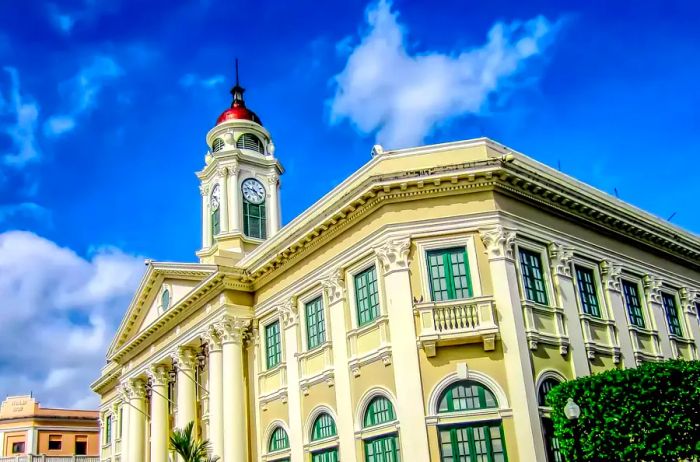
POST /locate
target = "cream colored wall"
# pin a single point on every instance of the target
(178, 289)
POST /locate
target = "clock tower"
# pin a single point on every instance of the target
(239, 185)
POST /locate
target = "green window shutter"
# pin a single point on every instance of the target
(273, 344)
(216, 222)
(278, 440)
(379, 411)
(121, 420)
(587, 291)
(674, 322)
(634, 306)
(315, 323)
(472, 443)
(323, 427)
(551, 441)
(254, 220)
(545, 387)
(383, 449)
(327, 455)
(367, 296)
(533, 276)
(466, 395)
(448, 272)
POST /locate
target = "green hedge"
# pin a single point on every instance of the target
(651, 413)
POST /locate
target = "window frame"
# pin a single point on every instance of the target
(277, 428)
(448, 268)
(375, 311)
(446, 394)
(263, 221)
(596, 281)
(280, 349)
(471, 427)
(81, 439)
(315, 296)
(317, 433)
(55, 439)
(673, 296)
(333, 450)
(390, 410)
(22, 448)
(637, 286)
(395, 450)
(541, 252)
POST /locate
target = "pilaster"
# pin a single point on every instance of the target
(521, 385)
(611, 278)
(233, 198)
(274, 213)
(216, 390)
(393, 256)
(206, 221)
(690, 300)
(652, 290)
(289, 315)
(225, 203)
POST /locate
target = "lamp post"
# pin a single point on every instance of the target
(572, 412)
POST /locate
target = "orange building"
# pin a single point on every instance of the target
(27, 428)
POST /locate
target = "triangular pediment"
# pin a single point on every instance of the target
(149, 303)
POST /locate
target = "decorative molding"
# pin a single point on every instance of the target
(499, 242)
(393, 254)
(334, 285)
(610, 273)
(212, 337)
(690, 299)
(185, 357)
(273, 179)
(233, 329)
(137, 388)
(159, 374)
(560, 257)
(652, 288)
(289, 312)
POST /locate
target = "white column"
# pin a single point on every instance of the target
(516, 356)
(337, 295)
(560, 257)
(137, 421)
(273, 211)
(409, 389)
(289, 312)
(234, 399)
(32, 441)
(216, 405)
(689, 304)
(234, 200)
(206, 220)
(652, 290)
(610, 273)
(185, 358)
(225, 205)
(126, 412)
(160, 432)
(115, 427)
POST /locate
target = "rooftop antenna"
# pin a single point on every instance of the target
(671, 217)
(237, 72)
(558, 165)
(616, 193)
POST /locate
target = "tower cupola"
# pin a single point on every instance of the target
(238, 109)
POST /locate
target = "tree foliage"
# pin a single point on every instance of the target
(651, 413)
(191, 449)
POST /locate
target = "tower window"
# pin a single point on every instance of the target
(254, 220)
(250, 141)
(217, 145)
(215, 211)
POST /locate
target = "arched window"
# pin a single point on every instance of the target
(473, 440)
(323, 427)
(250, 141)
(278, 440)
(466, 396)
(384, 448)
(551, 441)
(217, 145)
(165, 300)
(215, 211)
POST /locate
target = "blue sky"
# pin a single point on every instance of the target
(104, 106)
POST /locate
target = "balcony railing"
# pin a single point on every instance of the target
(457, 322)
(33, 458)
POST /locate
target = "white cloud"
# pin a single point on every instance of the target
(18, 122)
(58, 312)
(58, 125)
(192, 80)
(402, 96)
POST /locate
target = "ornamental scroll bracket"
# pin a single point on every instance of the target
(499, 242)
(393, 254)
(611, 273)
(334, 285)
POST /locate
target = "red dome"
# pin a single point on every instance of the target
(238, 112)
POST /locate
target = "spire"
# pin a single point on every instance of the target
(237, 91)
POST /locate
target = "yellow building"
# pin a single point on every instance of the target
(417, 312)
(28, 428)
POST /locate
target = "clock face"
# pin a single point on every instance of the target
(253, 191)
(215, 197)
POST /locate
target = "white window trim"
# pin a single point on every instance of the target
(467, 242)
(602, 302)
(675, 293)
(357, 268)
(313, 294)
(643, 302)
(263, 330)
(163, 288)
(540, 249)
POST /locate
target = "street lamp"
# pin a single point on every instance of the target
(572, 412)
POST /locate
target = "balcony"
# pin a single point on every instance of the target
(457, 322)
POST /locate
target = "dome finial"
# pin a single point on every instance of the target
(237, 91)
(238, 109)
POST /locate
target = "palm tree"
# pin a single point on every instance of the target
(190, 448)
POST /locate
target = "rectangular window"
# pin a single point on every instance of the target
(587, 291)
(55, 442)
(315, 324)
(674, 322)
(384, 449)
(121, 420)
(367, 296)
(327, 455)
(254, 220)
(273, 344)
(448, 271)
(474, 443)
(108, 429)
(533, 277)
(18, 447)
(633, 303)
(81, 445)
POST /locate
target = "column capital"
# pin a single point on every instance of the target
(690, 299)
(499, 242)
(234, 168)
(212, 337)
(115, 407)
(611, 273)
(137, 388)
(159, 374)
(560, 257)
(393, 254)
(233, 330)
(289, 312)
(203, 190)
(223, 172)
(334, 285)
(273, 179)
(652, 287)
(185, 357)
